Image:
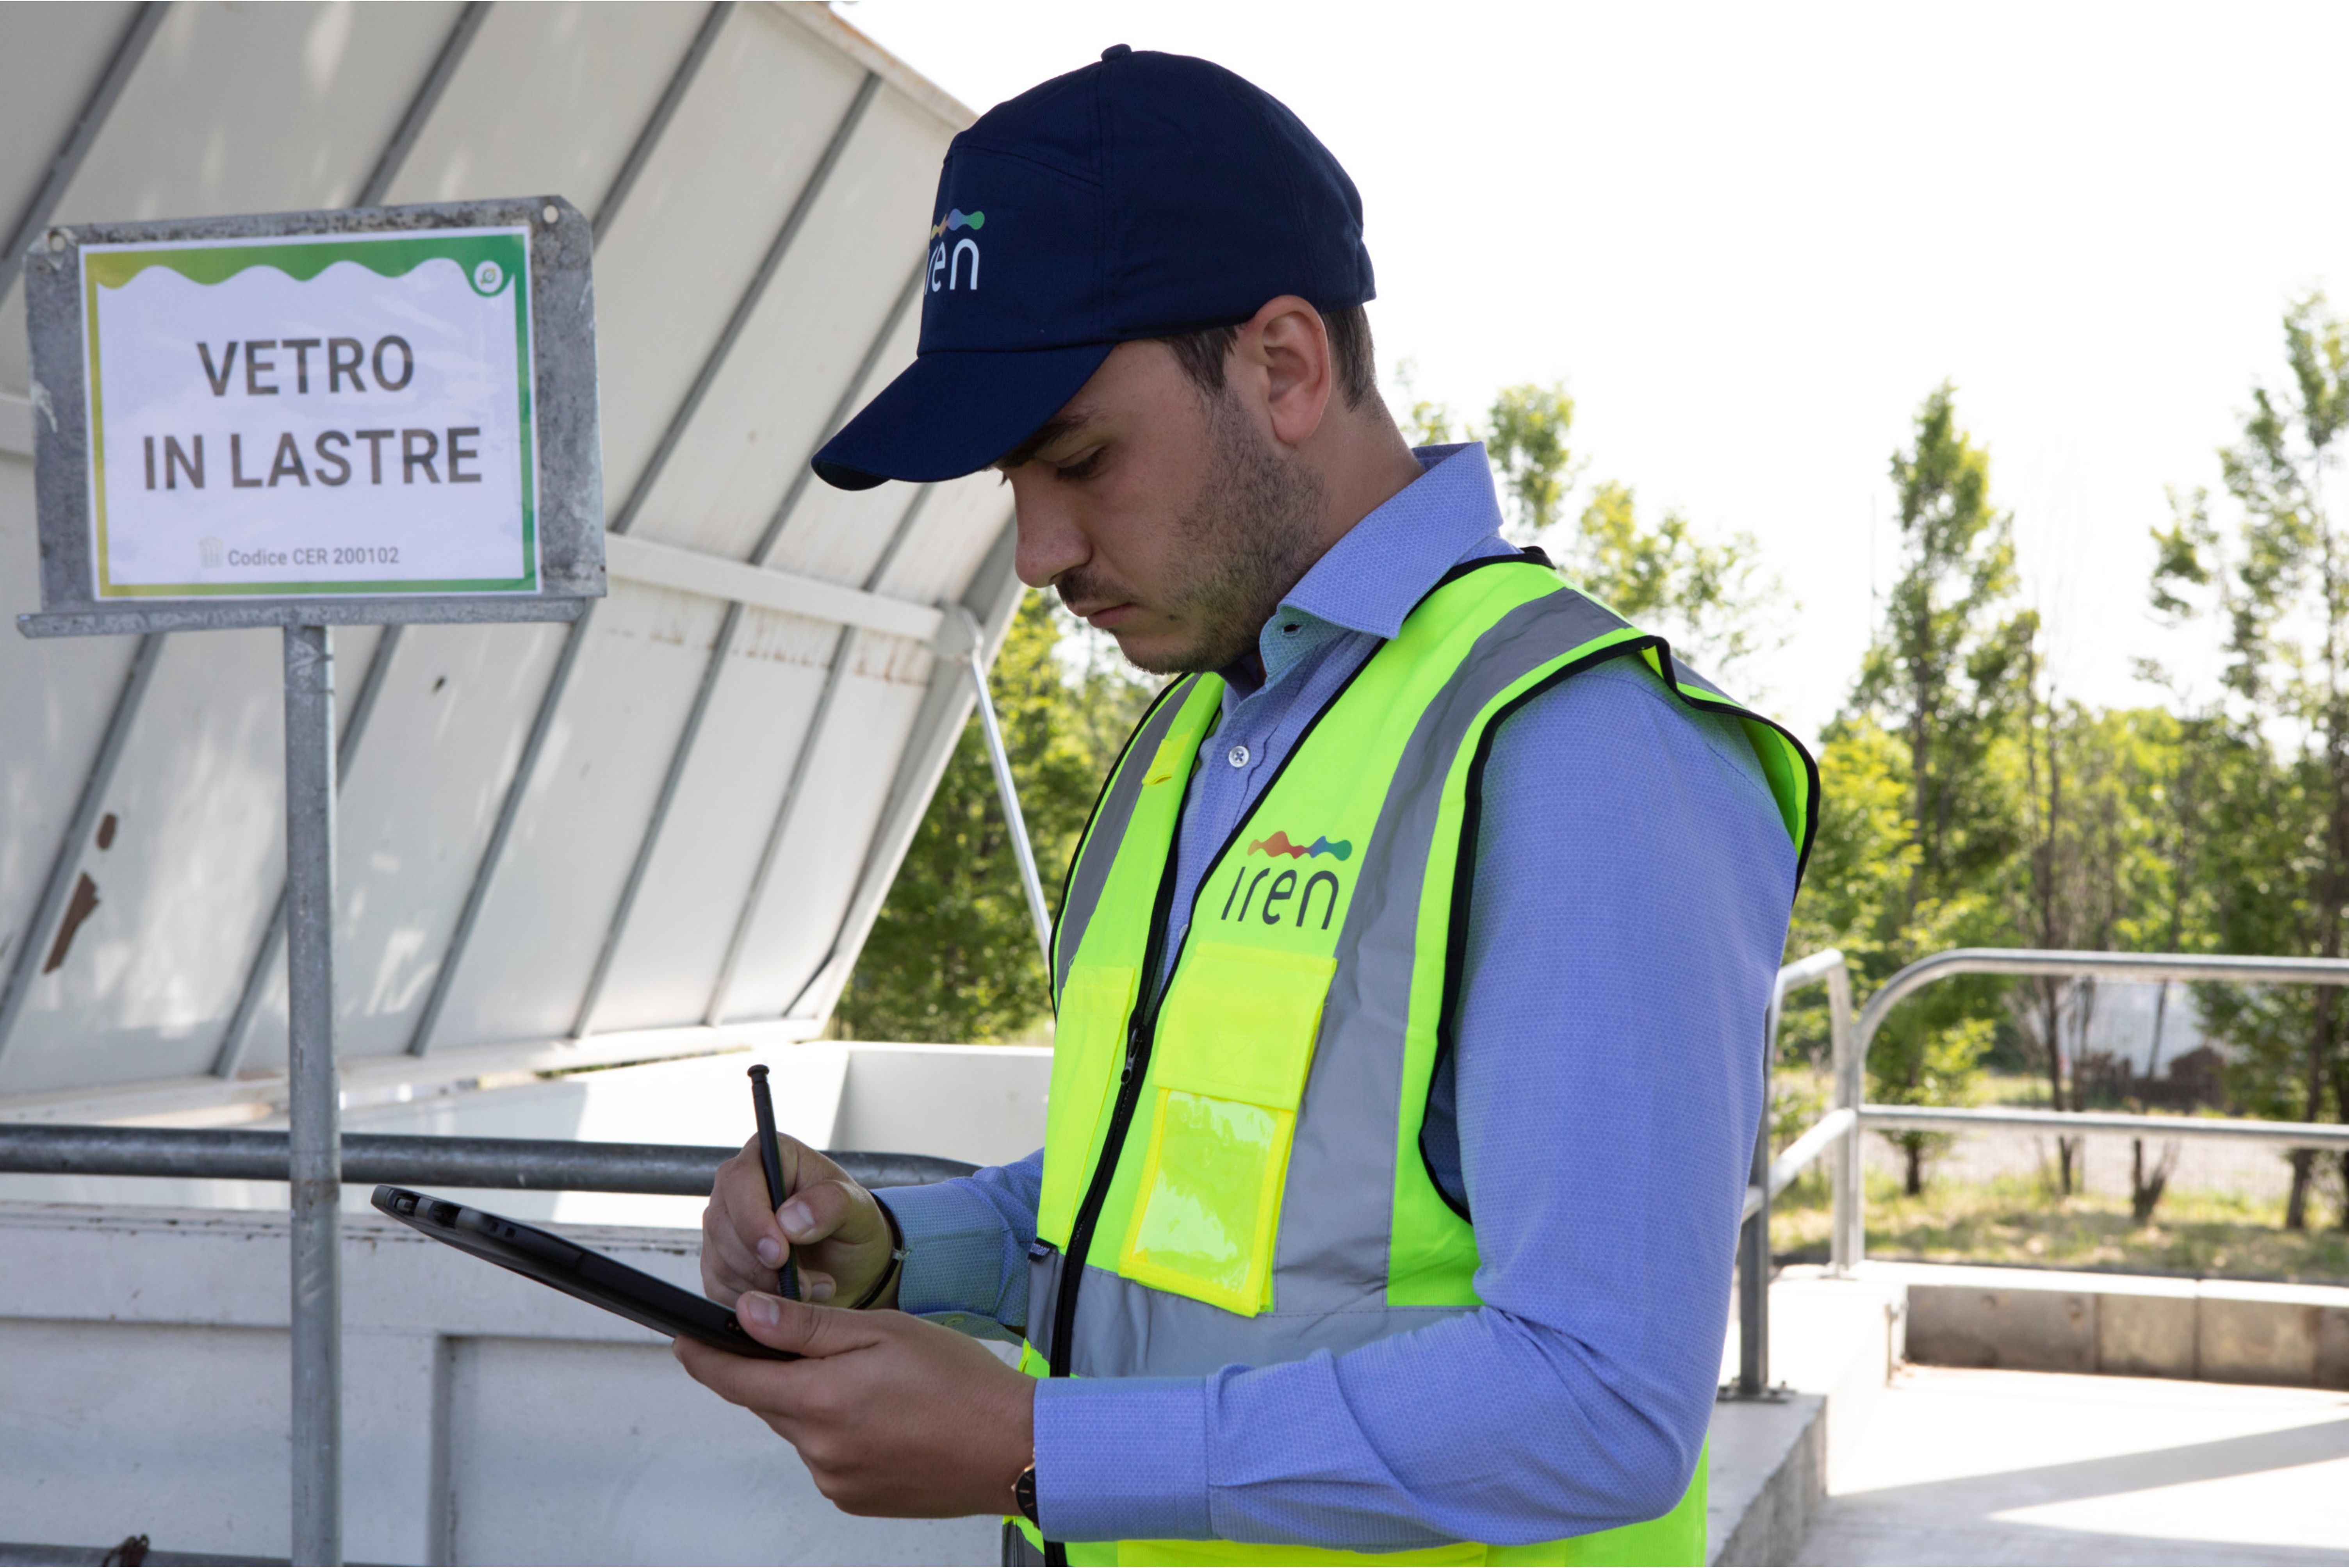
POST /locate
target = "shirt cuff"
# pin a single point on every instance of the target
(1121, 1459)
(955, 1251)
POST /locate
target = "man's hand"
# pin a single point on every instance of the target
(841, 1235)
(891, 1415)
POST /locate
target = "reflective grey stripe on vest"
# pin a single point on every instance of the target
(1091, 873)
(1330, 1268)
(1170, 1336)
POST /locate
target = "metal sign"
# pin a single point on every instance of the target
(243, 396)
(366, 416)
(376, 414)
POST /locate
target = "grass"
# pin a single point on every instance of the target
(2018, 1220)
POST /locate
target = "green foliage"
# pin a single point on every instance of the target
(1712, 600)
(1526, 438)
(953, 956)
(1424, 423)
(1942, 671)
(2275, 588)
(1937, 692)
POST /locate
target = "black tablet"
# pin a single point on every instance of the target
(574, 1271)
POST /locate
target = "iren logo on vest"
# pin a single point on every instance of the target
(955, 218)
(1283, 883)
(1278, 844)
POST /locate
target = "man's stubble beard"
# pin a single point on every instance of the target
(1245, 538)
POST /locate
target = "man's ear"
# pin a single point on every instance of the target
(1284, 351)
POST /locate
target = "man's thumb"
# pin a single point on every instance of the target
(800, 1327)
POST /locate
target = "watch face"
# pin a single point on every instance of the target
(1023, 1491)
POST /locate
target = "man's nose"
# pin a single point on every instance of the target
(1049, 542)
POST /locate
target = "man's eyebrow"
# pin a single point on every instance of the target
(1050, 431)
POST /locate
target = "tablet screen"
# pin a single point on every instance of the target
(573, 1270)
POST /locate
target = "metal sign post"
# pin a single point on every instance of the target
(314, 1109)
(374, 416)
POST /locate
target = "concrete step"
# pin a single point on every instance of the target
(2136, 1326)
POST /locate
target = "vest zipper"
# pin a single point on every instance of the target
(1138, 1032)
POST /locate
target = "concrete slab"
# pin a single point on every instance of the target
(2230, 1331)
(2239, 1341)
(1769, 1471)
(2147, 1335)
(2049, 1330)
(1997, 1467)
(2332, 1348)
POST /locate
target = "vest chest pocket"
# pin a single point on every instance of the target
(1230, 1065)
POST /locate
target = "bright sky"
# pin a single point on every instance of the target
(1752, 239)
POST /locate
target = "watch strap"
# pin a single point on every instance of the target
(896, 1260)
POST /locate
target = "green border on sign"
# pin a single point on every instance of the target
(391, 255)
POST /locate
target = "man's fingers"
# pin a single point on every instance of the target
(803, 1328)
(730, 1259)
(759, 1386)
(817, 1211)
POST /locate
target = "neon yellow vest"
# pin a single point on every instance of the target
(1313, 991)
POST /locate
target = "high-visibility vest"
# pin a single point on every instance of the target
(1234, 1174)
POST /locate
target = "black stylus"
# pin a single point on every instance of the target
(763, 1103)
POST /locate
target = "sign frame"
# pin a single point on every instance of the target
(564, 427)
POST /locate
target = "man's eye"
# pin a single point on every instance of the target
(1083, 469)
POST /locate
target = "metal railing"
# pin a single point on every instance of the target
(683, 1169)
(517, 1164)
(1840, 1127)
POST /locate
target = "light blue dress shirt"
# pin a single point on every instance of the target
(1633, 889)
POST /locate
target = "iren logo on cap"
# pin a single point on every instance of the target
(940, 262)
(1278, 844)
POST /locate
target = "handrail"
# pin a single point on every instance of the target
(1840, 1127)
(520, 1164)
(2139, 967)
(1817, 1141)
(1970, 1119)
(1822, 1134)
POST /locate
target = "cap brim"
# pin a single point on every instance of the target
(953, 412)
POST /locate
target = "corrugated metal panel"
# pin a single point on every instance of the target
(725, 227)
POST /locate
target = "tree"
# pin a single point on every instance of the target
(953, 956)
(1525, 437)
(1712, 600)
(2279, 590)
(1943, 668)
(2090, 874)
(1941, 677)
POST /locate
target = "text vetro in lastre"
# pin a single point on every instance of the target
(359, 423)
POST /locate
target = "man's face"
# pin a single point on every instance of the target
(1165, 517)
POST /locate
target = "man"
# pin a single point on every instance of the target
(1410, 976)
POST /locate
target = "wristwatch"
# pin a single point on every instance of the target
(896, 1261)
(1023, 1492)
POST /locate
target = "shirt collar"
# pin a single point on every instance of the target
(1383, 565)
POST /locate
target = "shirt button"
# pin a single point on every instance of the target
(1237, 757)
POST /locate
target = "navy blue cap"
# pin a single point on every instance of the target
(1145, 196)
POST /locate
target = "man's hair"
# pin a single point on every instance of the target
(1201, 354)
